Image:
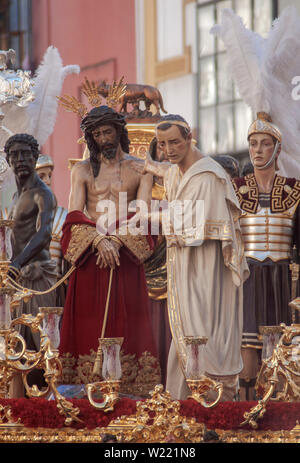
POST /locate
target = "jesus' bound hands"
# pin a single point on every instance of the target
(107, 251)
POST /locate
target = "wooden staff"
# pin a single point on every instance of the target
(97, 364)
(107, 303)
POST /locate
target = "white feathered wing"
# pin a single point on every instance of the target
(42, 112)
(38, 118)
(263, 69)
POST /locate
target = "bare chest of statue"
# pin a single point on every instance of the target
(25, 214)
(24, 208)
(116, 183)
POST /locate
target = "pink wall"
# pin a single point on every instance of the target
(99, 36)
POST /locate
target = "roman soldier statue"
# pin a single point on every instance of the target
(269, 196)
(269, 226)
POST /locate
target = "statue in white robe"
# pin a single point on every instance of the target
(206, 266)
(206, 270)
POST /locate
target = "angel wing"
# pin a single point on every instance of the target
(48, 81)
(15, 120)
(38, 118)
(271, 63)
(281, 65)
(283, 46)
(244, 55)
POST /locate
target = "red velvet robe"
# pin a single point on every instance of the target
(129, 312)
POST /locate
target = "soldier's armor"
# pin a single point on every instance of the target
(268, 220)
(268, 235)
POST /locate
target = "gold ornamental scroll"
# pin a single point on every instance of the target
(140, 136)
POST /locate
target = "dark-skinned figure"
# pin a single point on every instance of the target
(32, 214)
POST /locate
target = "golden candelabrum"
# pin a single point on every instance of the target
(109, 356)
(15, 358)
(279, 376)
(199, 384)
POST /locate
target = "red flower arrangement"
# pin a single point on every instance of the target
(44, 413)
(230, 415)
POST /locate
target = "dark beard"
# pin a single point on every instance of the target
(109, 153)
(109, 150)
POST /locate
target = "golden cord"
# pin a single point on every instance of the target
(41, 293)
(107, 303)
(97, 364)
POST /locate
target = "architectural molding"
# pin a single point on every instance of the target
(160, 71)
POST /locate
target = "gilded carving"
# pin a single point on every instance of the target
(138, 245)
(123, 433)
(278, 378)
(157, 418)
(82, 237)
(139, 376)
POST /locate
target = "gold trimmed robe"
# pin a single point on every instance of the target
(206, 271)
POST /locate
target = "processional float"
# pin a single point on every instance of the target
(17, 89)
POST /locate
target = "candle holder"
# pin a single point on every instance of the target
(282, 367)
(199, 384)
(51, 324)
(270, 337)
(111, 373)
(14, 355)
(5, 244)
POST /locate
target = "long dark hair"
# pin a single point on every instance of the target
(103, 115)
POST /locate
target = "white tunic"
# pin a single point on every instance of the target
(205, 274)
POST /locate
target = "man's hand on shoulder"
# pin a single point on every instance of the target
(138, 165)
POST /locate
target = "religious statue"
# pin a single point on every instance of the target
(109, 271)
(269, 200)
(205, 264)
(270, 205)
(32, 213)
(229, 163)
